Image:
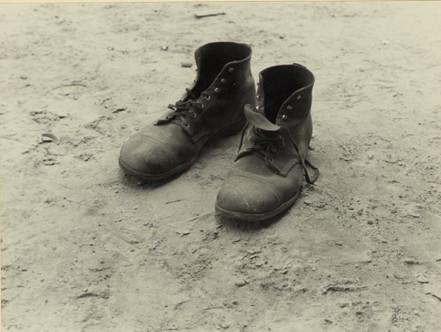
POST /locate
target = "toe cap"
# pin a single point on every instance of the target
(247, 195)
(142, 154)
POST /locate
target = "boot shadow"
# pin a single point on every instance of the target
(247, 226)
(136, 182)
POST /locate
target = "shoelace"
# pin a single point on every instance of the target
(265, 147)
(187, 109)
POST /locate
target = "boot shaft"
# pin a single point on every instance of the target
(281, 123)
(223, 86)
(223, 65)
(224, 74)
(285, 94)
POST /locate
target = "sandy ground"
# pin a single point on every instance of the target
(85, 249)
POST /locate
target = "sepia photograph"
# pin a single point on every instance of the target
(238, 166)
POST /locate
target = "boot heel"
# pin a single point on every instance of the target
(233, 129)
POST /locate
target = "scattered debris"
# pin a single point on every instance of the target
(95, 124)
(436, 296)
(122, 109)
(411, 261)
(391, 160)
(50, 161)
(48, 138)
(421, 278)
(345, 286)
(186, 64)
(175, 201)
(346, 158)
(85, 156)
(366, 260)
(254, 252)
(198, 217)
(183, 233)
(86, 293)
(73, 83)
(100, 269)
(343, 304)
(198, 16)
(241, 283)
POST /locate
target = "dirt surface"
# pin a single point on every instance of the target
(86, 249)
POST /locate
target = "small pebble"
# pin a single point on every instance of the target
(122, 109)
(47, 138)
(411, 261)
(186, 64)
(422, 279)
(241, 283)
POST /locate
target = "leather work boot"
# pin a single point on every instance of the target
(212, 108)
(267, 176)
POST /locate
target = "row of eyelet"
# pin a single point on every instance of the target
(223, 80)
(290, 108)
(217, 90)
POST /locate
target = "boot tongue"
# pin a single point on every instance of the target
(259, 120)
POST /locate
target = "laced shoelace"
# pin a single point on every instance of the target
(265, 147)
(187, 109)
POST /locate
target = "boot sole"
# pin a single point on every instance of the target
(225, 132)
(155, 177)
(256, 217)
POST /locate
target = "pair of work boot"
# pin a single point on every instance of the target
(276, 125)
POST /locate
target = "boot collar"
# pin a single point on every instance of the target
(235, 57)
(227, 52)
(293, 109)
(220, 66)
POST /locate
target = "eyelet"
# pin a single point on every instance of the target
(230, 70)
(216, 90)
(223, 80)
(299, 97)
(207, 97)
(284, 117)
(289, 108)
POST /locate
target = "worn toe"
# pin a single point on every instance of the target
(145, 156)
(246, 195)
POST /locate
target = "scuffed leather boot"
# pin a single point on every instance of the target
(267, 176)
(212, 108)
